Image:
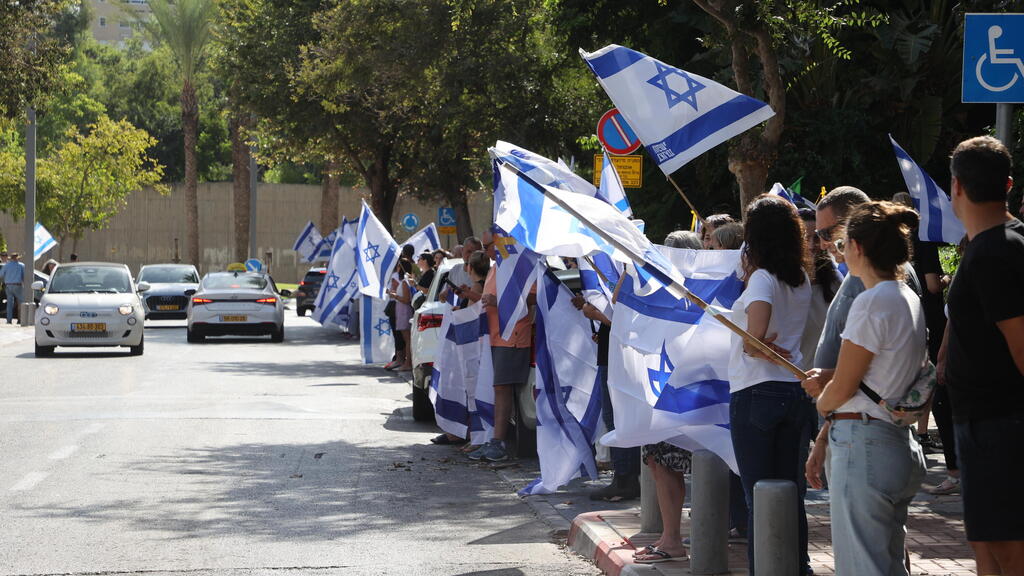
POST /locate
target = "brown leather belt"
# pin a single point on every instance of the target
(850, 416)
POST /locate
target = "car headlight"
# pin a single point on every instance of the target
(51, 309)
(125, 309)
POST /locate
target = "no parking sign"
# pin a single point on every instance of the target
(615, 134)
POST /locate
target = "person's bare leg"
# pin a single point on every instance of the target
(502, 410)
(671, 492)
(1009, 555)
(985, 560)
(407, 358)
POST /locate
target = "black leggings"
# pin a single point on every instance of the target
(944, 419)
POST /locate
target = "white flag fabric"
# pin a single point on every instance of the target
(308, 242)
(568, 397)
(376, 339)
(43, 241)
(542, 170)
(611, 190)
(668, 364)
(425, 239)
(514, 276)
(323, 251)
(798, 200)
(340, 284)
(677, 115)
(462, 369)
(377, 254)
(598, 282)
(938, 222)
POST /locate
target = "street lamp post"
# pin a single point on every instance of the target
(30, 218)
(253, 181)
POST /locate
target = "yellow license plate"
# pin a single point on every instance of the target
(167, 307)
(234, 318)
(89, 327)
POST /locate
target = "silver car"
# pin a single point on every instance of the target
(90, 304)
(166, 298)
(236, 304)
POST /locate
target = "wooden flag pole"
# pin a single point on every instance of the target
(675, 287)
(596, 269)
(687, 200)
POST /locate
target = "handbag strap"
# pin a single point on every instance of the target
(870, 393)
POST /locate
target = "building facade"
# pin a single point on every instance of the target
(114, 21)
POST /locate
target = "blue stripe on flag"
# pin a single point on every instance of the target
(329, 309)
(385, 270)
(693, 396)
(302, 237)
(664, 306)
(524, 267)
(363, 279)
(463, 333)
(704, 126)
(614, 61)
(934, 210)
(450, 410)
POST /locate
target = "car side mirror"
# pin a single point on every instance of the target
(286, 293)
(143, 287)
(38, 285)
(190, 292)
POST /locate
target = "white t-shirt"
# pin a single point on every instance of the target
(816, 314)
(789, 314)
(888, 321)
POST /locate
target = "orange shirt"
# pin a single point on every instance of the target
(522, 334)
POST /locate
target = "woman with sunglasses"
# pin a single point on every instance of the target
(877, 467)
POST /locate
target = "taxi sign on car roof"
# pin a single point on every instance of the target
(236, 267)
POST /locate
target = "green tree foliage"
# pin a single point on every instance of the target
(31, 54)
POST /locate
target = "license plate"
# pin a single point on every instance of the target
(167, 307)
(233, 318)
(89, 327)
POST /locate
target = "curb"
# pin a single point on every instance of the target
(544, 510)
(595, 539)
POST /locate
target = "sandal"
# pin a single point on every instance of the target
(658, 556)
(649, 549)
(444, 439)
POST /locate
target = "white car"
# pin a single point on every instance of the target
(236, 304)
(90, 304)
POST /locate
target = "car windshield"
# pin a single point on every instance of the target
(314, 277)
(169, 275)
(90, 279)
(242, 281)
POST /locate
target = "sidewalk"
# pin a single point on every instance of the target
(11, 333)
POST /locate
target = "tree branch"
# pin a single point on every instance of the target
(716, 14)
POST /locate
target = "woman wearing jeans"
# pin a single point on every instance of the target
(877, 467)
(767, 410)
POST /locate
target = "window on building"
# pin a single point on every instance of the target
(123, 24)
(103, 22)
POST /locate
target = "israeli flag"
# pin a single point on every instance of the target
(340, 283)
(528, 213)
(938, 222)
(43, 241)
(462, 375)
(568, 397)
(796, 199)
(308, 242)
(598, 281)
(668, 363)
(677, 115)
(376, 339)
(514, 276)
(326, 247)
(376, 255)
(611, 190)
(425, 240)
(541, 169)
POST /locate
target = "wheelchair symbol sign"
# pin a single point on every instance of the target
(993, 58)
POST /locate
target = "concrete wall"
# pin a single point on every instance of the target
(145, 231)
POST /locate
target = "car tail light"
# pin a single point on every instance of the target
(202, 301)
(428, 321)
(303, 283)
(267, 301)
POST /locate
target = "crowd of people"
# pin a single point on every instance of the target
(849, 294)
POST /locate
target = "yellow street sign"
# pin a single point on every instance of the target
(630, 169)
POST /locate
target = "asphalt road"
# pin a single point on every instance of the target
(242, 456)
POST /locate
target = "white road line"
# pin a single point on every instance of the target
(63, 453)
(92, 429)
(29, 481)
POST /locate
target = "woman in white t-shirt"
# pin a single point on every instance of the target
(877, 467)
(768, 412)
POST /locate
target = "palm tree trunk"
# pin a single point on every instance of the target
(329, 190)
(240, 188)
(190, 128)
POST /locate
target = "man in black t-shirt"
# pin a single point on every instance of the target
(984, 356)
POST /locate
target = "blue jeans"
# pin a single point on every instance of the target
(13, 299)
(625, 461)
(767, 422)
(877, 468)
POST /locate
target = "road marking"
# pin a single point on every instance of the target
(92, 429)
(63, 453)
(29, 481)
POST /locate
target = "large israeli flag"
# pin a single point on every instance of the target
(425, 239)
(340, 283)
(938, 222)
(44, 241)
(796, 199)
(461, 385)
(568, 397)
(514, 277)
(540, 169)
(376, 255)
(677, 115)
(376, 339)
(529, 213)
(598, 281)
(308, 242)
(611, 190)
(668, 363)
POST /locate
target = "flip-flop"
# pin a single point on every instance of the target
(443, 439)
(659, 557)
(649, 549)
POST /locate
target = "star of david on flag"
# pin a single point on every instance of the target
(659, 378)
(379, 253)
(372, 252)
(383, 327)
(376, 340)
(648, 92)
(332, 280)
(338, 288)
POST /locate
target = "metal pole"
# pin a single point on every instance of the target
(253, 180)
(776, 552)
(650, 514)
(709, 525)
(1004, 124)
(30, 217)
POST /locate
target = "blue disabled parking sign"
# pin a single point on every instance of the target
(993, 58)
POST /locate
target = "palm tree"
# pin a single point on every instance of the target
(184, 26)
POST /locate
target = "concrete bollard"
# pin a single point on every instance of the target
(709, 525)
(650, 514)
(775, 528)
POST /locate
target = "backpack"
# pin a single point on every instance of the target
(915, 401)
